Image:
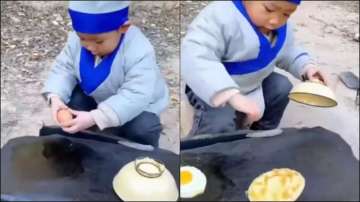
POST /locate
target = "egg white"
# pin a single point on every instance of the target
(196, 186)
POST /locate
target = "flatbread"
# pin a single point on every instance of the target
(277, 185)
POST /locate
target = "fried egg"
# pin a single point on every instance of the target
(192, 182)
(277, 185)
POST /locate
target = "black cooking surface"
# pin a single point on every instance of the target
(58, 167)
(321, 156)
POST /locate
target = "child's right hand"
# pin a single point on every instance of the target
(56, 105)
(250, 108)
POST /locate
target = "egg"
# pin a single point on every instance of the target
(281, 184)
(64, 115)
(192, 182)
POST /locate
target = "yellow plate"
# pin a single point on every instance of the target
(314, 94)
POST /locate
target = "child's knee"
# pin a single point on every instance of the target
(286, 87)
(283, 86)
(80, 101)
(145, 128)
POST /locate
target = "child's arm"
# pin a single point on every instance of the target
(62, 78)
(313, 73)
(297, 61)
(135, 94)
(201, 55)
(201, 61)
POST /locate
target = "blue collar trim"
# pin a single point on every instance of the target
(297, 2)
(91, 76)
(266, 54)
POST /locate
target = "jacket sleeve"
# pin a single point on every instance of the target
(62, 77)
(295, 58)
(136, 92)
(202, 50)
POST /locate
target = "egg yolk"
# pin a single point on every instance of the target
(185, 177)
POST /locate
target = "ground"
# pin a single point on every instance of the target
(329, 30)
(33, 33)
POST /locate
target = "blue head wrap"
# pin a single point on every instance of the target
(94, 17)
(297, 2)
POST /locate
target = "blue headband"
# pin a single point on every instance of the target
(98, 23)
(297, 2)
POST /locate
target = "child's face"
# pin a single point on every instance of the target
(101, 44)
(269, 15)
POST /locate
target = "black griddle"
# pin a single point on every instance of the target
(64, 167)
(325, 160)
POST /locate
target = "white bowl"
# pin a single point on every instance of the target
(314, 94)
(145, 180)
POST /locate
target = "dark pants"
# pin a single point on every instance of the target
(276, 88)
(144, 129)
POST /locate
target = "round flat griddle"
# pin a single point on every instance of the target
(330, 169)
(65, 167)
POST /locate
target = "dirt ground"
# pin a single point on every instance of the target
(33, 33)
(329, 31)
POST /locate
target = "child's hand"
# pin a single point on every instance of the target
(314, 74)
(247, 106)
(56, 105)
(82, 121)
